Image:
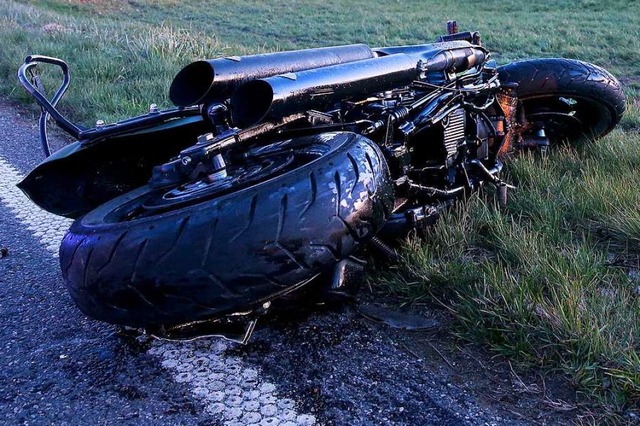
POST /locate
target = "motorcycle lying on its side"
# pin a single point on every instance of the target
(273, 169)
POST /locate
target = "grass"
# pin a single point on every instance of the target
(120, 65)
(551, 281)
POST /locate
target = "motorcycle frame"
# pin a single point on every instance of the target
(443, 97)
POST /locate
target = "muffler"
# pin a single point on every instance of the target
(215, 79)
(318, 88)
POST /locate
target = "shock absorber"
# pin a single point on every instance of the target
(384, 249)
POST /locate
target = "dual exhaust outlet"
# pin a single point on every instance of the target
(270, 86)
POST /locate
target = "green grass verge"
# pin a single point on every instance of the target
(123, 55)
(118, 65)
(552, 280)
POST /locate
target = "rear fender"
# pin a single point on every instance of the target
(85, 174)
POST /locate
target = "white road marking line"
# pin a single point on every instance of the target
(47, 227)
(228, 388)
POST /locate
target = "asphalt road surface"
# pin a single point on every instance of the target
(58, 367)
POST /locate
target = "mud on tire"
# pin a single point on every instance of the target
(230, 252)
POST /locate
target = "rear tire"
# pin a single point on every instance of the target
(569, 98)
(230, 252)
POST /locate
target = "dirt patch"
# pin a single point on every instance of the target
(347, 369)
(495, 382)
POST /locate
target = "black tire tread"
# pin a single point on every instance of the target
(227, 254)
(569, 77)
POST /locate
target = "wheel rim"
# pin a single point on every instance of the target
(208, 187)
(567, 117)
(259, 165)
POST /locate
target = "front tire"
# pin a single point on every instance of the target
(229, 252)
(570, 99)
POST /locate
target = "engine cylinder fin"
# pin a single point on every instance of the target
(454, 131)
